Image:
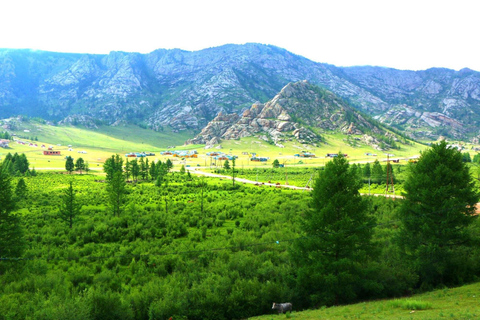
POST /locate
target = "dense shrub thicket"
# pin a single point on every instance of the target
(222, 264)
(218, 252)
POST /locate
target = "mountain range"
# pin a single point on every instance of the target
(300, 112)
(186, 90)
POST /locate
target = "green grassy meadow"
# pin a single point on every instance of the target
(101, 143)
(194, 248)
(98, 144)
(454, 303)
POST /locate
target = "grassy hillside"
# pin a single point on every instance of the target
(456, 303)
(103, 142)
(99, 144)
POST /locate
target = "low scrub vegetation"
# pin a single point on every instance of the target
(170, 245)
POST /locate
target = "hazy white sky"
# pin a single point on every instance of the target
(406, 34)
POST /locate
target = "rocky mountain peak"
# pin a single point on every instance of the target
(288, 116)
(187, 89)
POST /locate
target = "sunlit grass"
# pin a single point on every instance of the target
(455, 303)
(105, 141)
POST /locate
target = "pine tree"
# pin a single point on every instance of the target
(135, 169)
(79, 165)
(115, 179)
(169, 165)
(439, 205)
(377, 172)
(20, 189)
(116, 193)
(70, 207)
(161, 171)
(21, 164)
(142, 169)
(11, 233)
(162, 184)
(331, 258)
(69, 166)
(275, 163)
(147, 169)
(153, 170)
(113, 165)
(226, 165)
(367, 172)
(128, 169)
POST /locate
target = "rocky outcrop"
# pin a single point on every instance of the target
(423, 124)
(186, 90)
(82, 120)
(288, 116)
(215, 129)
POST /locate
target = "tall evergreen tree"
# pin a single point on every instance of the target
(135, 169)
(143, 168)
(147, 168)
(377, 172)
(115, 179)
(70, 207)
(169, 165)
(276, 163)
(116, 193)
(21, 189)
(153, 170)
(226, 165)
(331, 259)
(80, 165)
(439, 205)
(128, 169)
(162, 171)
(69, 166)
(162, 184)
(8, 167)
(11, 234)
(113, 165)
(21, 164)
(367, 172)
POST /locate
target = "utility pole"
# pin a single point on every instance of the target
(389, 177)
(286, 173)
(308, 182)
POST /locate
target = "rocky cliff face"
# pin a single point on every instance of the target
(188, 89)
(289, 116)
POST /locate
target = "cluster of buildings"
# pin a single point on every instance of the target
(333, 155)
(4, 143)
(217, 155)
(305, 154)
(139, 154)
(51, 153)
(180, 153)
(259, 159)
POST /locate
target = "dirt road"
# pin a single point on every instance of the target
(242, 180)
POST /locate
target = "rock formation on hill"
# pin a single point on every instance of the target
(301, 111)
(186, 90)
